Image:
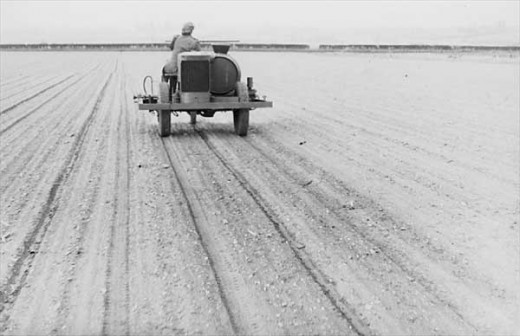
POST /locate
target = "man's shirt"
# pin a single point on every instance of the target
(181, 44)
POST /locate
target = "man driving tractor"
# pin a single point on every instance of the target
(179, 44)
(210, 83)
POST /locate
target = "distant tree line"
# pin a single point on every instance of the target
(412, 47)
(86, 46)
(271, 46)
(144, 46)
(257, 47)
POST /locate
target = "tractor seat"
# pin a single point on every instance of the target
(171, 79)
(166, 76)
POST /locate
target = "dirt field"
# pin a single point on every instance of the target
(378, 196)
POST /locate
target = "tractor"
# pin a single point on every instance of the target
(207, 82)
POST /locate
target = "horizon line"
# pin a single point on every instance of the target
(209, 43)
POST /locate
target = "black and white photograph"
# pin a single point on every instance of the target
(259, 167)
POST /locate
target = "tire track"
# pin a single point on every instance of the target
(10, 108)
(329, 200)
(31, 244)
(196, 215)
(347, 312)
(326, 201)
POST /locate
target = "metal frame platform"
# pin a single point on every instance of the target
(216, 106)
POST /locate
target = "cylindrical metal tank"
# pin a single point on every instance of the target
(225, 73)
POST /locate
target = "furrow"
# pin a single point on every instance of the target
(14, 81)
(10, 108)
(32, 242)
(81, 77)
(86, 263)
(328, 201)
(32, 141)
(116, 301)
(27, 88)
(321, 207)
(30, 112)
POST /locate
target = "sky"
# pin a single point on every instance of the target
(311, 22)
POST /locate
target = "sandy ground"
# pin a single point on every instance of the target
(378, 196)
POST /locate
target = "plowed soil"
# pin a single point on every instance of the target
(378, 196)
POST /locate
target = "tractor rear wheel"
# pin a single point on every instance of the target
(241, 121)
(164, 123)
(164, 116)
(193, 118)
(241, 117)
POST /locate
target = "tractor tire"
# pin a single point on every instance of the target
(193, 118)
(241, 121)
(241, 117)
(164, 116)
(164, 123)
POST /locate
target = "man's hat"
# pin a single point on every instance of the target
(188, 28)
